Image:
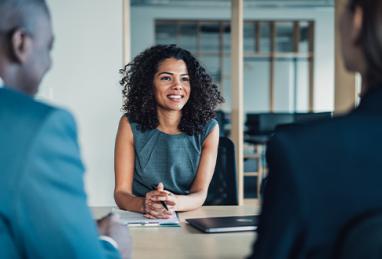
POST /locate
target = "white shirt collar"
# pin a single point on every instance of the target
(1, 83)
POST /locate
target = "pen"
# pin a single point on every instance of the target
(162, 202)
(164, 205)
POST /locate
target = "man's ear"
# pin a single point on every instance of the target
(357, 25)
(20, 44)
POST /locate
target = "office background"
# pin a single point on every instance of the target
(88, 53)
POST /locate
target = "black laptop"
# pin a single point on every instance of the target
(225, 224)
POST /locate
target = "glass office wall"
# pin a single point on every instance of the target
(278, 58)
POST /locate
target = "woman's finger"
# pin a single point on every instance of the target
(160, 187)
(149, 216)
(158, 214)
(159, 197)
(170, 203)
(156, 206)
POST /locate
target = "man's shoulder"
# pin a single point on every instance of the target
(14, 103)
(19, 107)
(24, 118)
(27, 127)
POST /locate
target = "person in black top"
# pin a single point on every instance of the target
(323, 174)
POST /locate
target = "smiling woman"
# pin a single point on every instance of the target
(168, 137)
(171, 85)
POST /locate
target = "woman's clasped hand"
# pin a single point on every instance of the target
(154, 207)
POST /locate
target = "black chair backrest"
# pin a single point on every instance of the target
(361, 237)
(265, 123)
(223, 121)
(222, 189)
(311, 116)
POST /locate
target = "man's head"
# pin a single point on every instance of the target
(26, 39)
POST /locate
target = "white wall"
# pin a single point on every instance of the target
(143, 26)
(84, 79)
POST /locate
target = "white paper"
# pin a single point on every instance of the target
(137, 219)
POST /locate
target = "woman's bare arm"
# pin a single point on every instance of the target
(124, 158)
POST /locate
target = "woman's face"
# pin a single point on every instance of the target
(172, 85)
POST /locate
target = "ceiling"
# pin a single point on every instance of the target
(257, 3)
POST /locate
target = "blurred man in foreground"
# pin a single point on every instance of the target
(43, 210)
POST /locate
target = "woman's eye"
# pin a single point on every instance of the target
(186, 79)
(165, 78)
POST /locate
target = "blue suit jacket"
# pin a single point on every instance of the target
(43, 210)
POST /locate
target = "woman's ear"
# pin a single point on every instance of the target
(20, 45)
(357, 25)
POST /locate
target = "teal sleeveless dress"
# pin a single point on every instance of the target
(170, 159)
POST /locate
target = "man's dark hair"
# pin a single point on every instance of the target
(16, 14)
(370, 38)
(138, 90)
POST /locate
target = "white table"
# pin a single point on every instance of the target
(186, 242)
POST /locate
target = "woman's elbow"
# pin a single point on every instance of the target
(119, 198)
(202, 198)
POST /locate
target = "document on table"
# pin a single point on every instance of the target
(137, 219)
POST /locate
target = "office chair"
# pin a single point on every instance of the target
(303, 117)
(260, 126)
(222, 189)
(361, 237)
(223, 119)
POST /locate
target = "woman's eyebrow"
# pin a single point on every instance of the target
(170, 73)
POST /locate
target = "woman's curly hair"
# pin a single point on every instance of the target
(139, 102)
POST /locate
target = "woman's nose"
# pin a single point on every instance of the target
(177, 84)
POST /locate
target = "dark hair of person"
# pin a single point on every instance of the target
(370, 38)
(138, 95)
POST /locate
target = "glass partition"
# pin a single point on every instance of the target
(277, 58)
